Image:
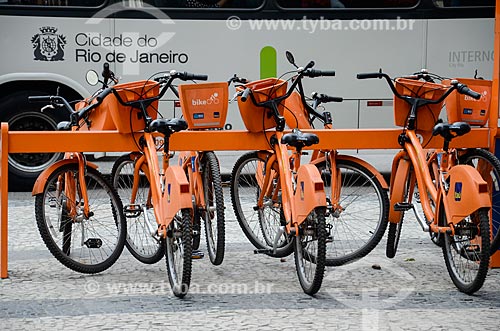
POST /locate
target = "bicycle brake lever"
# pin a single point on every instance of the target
(50, 106)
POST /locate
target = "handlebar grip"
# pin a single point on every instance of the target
(40, 98)
(463, 89)
(369, 75)
(327, 98)
(104, 94)
(244, 95)
(189, 76)
(318, 73)
(327, 73)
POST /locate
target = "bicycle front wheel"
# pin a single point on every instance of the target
(489, 167)
(310, 251)
(213, 214)
(143, 241)
(467, 253)
(358, 222)
(84, 244)
(260, 225)
(178, 253)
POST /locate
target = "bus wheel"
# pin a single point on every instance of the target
(21, 115)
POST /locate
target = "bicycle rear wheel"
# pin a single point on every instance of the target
(178, 253)
(359, 222)
(143, 241)
(467, 253)
(213, 214)
(260, 225)
(489, 167)
(84, 244)
(310, 251)
(394, 232)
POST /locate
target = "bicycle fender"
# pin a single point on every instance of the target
(310, 191)
(44, 176)
(397, 192)
(177, 191)
(468, 192)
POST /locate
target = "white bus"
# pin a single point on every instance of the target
(48, 46)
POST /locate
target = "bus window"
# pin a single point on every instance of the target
(77, 3)
(206, 3)
(347, 3)
(464, 3)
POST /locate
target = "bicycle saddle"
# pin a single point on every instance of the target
(450, 131)
(168, 126)
(299, 139)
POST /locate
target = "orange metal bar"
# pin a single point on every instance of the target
(4, 198)
(495, 258)
(112, 141)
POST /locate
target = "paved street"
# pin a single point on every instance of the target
(247, 292)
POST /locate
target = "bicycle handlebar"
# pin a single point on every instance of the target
(104, 94)
(463, 89)
(272, 104)
(312, 73)
(76, 116)
(244, 95)
(323, 98)
(370, 75)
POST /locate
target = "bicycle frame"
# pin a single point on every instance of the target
(169, 187)
(292, 177)
(70, 186)
(190, 163)
(296, 105)
(452, 190)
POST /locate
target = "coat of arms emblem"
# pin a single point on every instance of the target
(48, 46)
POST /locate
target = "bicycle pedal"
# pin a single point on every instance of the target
(403, 206)
(93, 243)
(197, 255)
(266, 251)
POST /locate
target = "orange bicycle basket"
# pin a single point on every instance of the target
(463, 108)
(204, 106)
(426, 115)
(258, 119)
(111, 115)
(295, 114)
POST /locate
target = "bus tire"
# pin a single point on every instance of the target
(22, 115)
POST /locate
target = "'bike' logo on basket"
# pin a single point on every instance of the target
(213, 99)
(458, 191)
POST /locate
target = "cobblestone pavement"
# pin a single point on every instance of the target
(247, 292)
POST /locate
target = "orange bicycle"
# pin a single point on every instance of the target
(202, 167)
(352, 187)
(294, 190)
(78, 212)
(157, 191)
(455, 200)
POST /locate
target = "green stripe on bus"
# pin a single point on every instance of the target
(268, 64)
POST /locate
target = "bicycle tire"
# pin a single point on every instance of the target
(244, 193)
(145, 246)
(214, 199)
(472, 157)
(466, 254)
(178, 253)
(95, 243)
(354, 235)
(394, 231)
(310, 251)
(196, 217)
